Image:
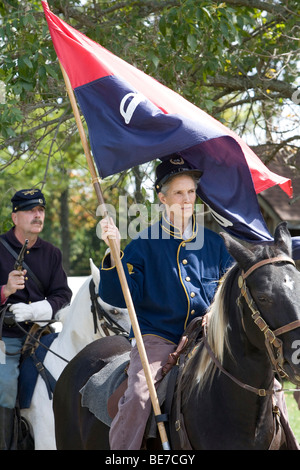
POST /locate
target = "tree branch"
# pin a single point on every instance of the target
(234, 83)
(270, 7)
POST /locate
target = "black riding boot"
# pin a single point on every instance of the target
(7, 426)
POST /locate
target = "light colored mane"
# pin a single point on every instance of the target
(200, 368)
(82, 295)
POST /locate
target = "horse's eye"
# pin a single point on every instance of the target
(262, 298)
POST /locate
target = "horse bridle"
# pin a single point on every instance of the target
(272, 342)
(273, 345)
(107, 322)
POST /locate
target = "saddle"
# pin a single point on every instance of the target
(111, 382)
(185, 346)
(34, 351)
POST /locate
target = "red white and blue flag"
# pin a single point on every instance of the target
(133, 119)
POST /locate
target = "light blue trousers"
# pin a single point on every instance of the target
(9, 372)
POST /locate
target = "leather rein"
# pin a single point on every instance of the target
(99, 314)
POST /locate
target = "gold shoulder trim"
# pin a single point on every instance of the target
(111, 267)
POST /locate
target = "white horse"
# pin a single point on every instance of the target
(77, 332)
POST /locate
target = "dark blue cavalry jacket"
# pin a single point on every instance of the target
(45, 261)
(171, 280)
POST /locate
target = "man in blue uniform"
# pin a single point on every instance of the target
(33, 294)
(172, 279)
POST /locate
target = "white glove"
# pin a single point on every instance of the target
(35, 311)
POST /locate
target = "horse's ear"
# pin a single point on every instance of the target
(95, 273)
(282, 238)
(239, 252)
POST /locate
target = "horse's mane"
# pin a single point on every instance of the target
(63, 313)
(200, 368)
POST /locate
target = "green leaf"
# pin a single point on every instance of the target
(50, 69)
(207, 13)
(28, 62)
(154, 59)
(192, 41)
(29, 19)
(10, 132)
(163, 25)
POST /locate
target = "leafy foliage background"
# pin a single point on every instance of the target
(238, 60)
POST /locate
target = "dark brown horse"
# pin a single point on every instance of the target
(225, 391)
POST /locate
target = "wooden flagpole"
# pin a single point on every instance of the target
(116, 255)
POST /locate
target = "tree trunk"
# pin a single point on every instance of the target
(65, 230)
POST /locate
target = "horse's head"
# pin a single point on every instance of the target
(269, 285)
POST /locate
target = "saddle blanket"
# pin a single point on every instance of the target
(105, 382)
(29, 373)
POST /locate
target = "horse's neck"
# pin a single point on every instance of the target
(250, 364)
(78, 329)
(223, 408)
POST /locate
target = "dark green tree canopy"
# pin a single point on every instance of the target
(241, 56)
(238, 60)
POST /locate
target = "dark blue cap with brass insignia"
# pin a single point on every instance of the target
(173, 166)
(26, 199)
